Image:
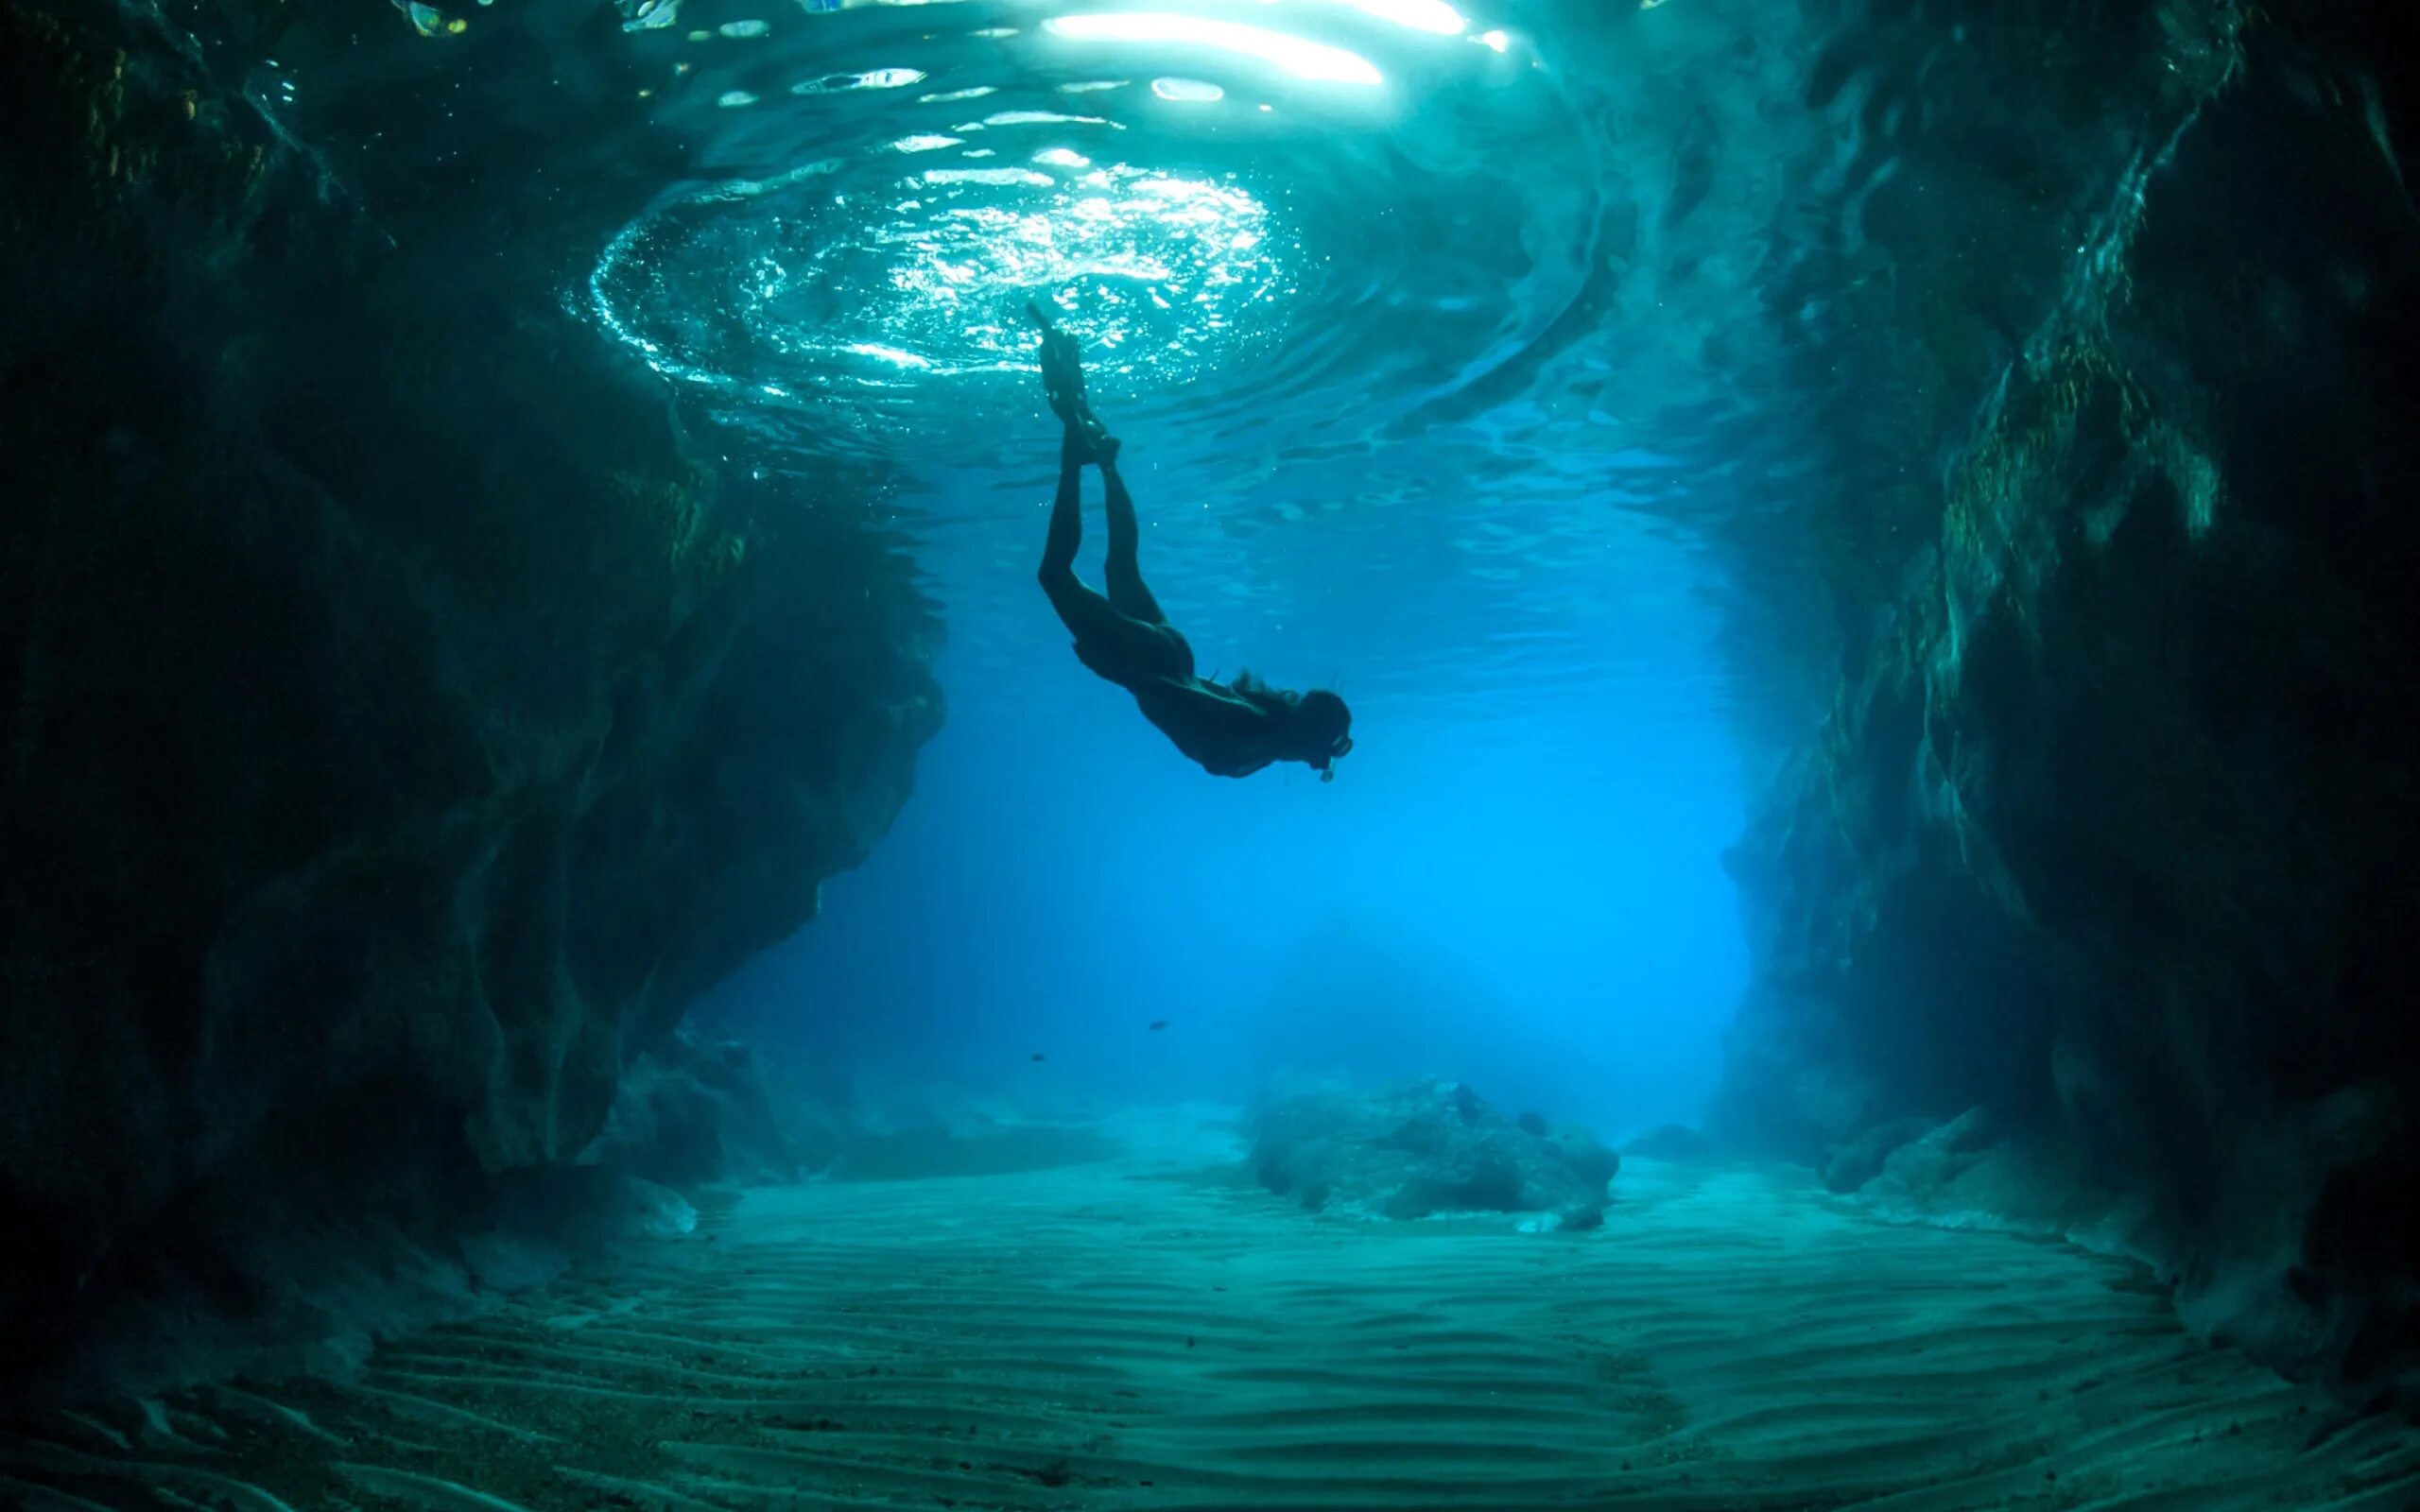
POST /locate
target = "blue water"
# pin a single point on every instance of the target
(1530, 904)
(1435, 339)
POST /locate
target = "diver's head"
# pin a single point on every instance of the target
(1322, 731)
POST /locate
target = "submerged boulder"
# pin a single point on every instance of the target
(1427, 1147)
(1852, 1161)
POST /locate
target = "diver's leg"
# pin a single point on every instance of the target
(1086, 614)
(1062, 372)
(1076, 412)
(1125, 571)
(1063, 382)
(1115, 645)
(1063, 385)
(1066, 514)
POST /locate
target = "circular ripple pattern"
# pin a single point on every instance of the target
(1426, 323)
(1278, 255)
(830, 278)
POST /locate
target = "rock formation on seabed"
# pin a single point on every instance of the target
(1426, 1148)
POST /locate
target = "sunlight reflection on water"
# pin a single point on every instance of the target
(1418, 335)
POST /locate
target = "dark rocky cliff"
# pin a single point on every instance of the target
(398, 726)
(2110, 834)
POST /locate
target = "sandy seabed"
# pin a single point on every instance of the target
(1136, 1336)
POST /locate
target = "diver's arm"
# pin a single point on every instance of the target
(1234, 721)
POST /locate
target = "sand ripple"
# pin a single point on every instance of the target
(1086, 1338)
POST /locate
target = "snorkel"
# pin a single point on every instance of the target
(1327, 764)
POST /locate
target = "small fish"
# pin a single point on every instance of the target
(1158, 1024)
(1039, 1055)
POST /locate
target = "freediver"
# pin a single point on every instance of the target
(1233, 728)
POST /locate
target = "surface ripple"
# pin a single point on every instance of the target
(1465, 355)
(1253, 252)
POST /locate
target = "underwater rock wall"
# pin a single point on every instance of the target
(2105, 857)
(401, 727)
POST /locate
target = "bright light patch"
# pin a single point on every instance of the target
(1192, 90)
(1419, 15)
(877, 79)
(924, 143)
(650, 15)
(1496, 40)
(1301, 59)
(957, 95)
(989, 176)
(1092, 86)
(1046, 118)
(910, 278)
(742, 30)
(734, 100)
(890, 355)
(1171, 263)
(751, 188)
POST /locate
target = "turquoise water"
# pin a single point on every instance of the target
(1439, 343)
(1519, 370)
(1578, 386)
(1435, 357)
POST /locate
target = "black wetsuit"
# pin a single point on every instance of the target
(1123, 636)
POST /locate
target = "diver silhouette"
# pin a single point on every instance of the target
(1232, 730)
